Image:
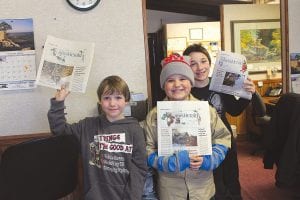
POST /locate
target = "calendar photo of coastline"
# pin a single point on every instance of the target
(16, 34)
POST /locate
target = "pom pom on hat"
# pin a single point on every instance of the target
(176, 64)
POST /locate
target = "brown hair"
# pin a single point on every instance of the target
(113, 84)
(197, 48)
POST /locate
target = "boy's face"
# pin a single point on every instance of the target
(177, 87)
(113, 106)
(200, 65)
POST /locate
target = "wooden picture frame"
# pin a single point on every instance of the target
(259, 41)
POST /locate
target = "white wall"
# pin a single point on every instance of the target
(294, 29)
(156, 19)
(293, 7)
(211, 30)
(118, 34)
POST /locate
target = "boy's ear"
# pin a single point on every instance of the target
(99, 107)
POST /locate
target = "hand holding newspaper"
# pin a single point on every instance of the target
(183, 125)
(66, 63)
(229, 74)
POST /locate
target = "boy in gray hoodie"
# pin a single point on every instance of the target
(112, 146)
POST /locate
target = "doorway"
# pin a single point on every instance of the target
(186, 18)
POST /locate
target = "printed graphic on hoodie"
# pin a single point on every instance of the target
(107, 152)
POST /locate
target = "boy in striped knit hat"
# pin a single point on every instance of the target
(180, 175)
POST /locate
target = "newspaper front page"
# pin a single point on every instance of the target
(183, 125)
(65, 62)
(229, 74)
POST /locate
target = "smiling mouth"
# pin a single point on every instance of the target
(113, 109)
(200, 73)
(177, 90)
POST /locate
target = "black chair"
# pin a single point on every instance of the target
(42, 169)
(139, 110)
(258, 122)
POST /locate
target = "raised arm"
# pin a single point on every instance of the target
(56, 115)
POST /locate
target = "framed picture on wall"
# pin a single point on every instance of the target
(196, 33)
(295, 63)
(259, 41)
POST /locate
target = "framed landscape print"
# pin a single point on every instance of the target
(259, 41)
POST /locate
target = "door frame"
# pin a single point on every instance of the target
(144, 14)
(284, 23)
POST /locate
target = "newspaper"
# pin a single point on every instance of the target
(65, 62)
(229, 74)
(183, 125)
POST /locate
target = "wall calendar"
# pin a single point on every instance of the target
(17, 54)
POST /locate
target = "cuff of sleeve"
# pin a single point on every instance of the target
(57, 103)
(172, 163)
(206, 163)
(151, 159)
(183, 159)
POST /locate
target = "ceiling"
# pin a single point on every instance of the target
(209, 8)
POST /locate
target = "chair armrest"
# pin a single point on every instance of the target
(258, 105)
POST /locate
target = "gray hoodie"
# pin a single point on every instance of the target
(113, 154)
